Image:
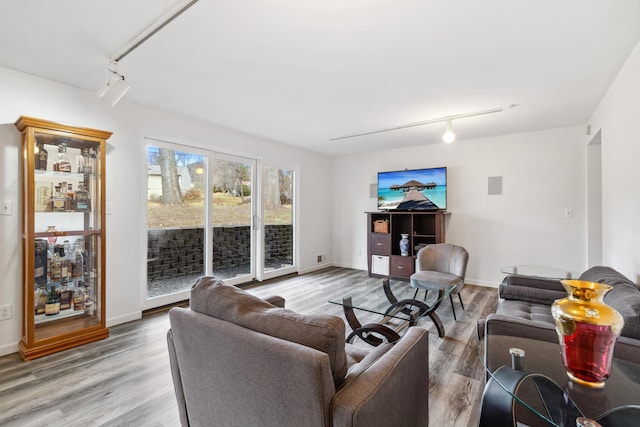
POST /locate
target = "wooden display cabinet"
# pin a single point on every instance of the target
(63, 243)
(383, 249)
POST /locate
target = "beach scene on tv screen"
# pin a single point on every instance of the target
(422, 189)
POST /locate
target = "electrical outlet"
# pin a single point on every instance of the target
(6, 312)
(6, 207)
(319, 258)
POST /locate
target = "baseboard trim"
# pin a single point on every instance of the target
(484, 283)
(126, 318)
(8, 349)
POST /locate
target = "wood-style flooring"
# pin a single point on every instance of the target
(125, 380)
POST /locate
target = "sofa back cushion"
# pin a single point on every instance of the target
(624, 297)
(324, 333)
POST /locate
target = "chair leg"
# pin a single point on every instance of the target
(425, 294)
(416, 293)
(453, 308)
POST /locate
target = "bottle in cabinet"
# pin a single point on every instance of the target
(41, 157)
(69, 203)
(77, 262)
(89, 299)
(56, 267)
(58, 200)
(40, 299)
(65, 295)
(40, 261)
(52, 306)
(82, 203)
(62, 164)
(78, 297)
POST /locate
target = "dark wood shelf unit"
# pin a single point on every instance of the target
(383, 249)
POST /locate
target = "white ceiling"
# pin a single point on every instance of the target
(303, 72)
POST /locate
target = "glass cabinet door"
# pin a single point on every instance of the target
(63, 236)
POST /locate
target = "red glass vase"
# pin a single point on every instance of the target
(587, 330)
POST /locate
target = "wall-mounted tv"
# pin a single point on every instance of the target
(409, 190)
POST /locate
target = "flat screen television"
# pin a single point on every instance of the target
(413, 190)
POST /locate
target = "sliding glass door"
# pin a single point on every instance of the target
(176, 220)
(278, 218)
(210, 213)
(233, 212)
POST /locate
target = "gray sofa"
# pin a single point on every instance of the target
(524, 310)
(238, 360)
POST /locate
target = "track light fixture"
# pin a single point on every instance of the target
(115, 88)
(448, 136)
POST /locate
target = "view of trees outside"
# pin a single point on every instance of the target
(175, 200)
(278, 196)
(176, 191)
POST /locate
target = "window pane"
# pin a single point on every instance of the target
(232, 211)
(175, 215)
(278, 218)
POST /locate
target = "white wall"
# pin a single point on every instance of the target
(126, 257)
(543, 173)
(617, 118)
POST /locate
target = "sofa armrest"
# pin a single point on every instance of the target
(390, 387)
(501, 324)
(177, 380)
(276, 300)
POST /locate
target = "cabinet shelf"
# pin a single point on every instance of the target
(45, 234)
(75, 250)
(64, 314)
(383, 249)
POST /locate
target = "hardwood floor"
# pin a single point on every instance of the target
(125, 380)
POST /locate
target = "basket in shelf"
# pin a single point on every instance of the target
(380, 226)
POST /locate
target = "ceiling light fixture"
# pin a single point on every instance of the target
(448, 136)
(448, 119)
(116, 87)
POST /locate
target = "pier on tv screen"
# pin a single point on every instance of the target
(416, 189)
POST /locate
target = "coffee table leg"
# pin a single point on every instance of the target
(366, 332)
(425, 310)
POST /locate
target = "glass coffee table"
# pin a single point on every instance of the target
(539, 393)
(397, 315)
(540, 271)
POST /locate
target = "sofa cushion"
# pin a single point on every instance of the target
(533, 282)
(625, 299)
(324, 333)
(527, 311)
(606, 275)
(530, 294)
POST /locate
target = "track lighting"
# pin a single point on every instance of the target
(448, 136)
(115, 88)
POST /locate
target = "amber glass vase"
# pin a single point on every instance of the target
(587, 329)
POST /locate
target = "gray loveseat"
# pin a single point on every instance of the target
(238, 360)
(524, 310)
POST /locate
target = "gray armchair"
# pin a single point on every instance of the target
(238, 360)
(439, 266)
